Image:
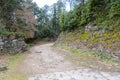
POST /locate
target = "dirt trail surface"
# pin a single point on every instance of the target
(44, 59)
(45, 63)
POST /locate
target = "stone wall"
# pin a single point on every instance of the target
(11, 45)
(106, 42)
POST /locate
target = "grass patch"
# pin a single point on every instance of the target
(87, 54)
(91, 59)
(102, 55)
(14, 62)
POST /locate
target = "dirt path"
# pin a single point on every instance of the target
(43, 59)
(44, 63)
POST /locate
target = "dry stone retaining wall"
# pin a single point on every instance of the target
(98, 40)
(12, 46)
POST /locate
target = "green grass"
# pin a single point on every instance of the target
(86, 54)
(90, 58)
(77, 52)
(102, 55)
(14, 62)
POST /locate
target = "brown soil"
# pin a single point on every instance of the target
(3, 59)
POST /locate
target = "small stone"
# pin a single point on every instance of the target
(39, 52)
(3, 68)
(72, 79)
(61, 75)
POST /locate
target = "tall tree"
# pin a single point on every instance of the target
(16, 15)
(7, 9)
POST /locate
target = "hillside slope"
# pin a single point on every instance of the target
(103, 42)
